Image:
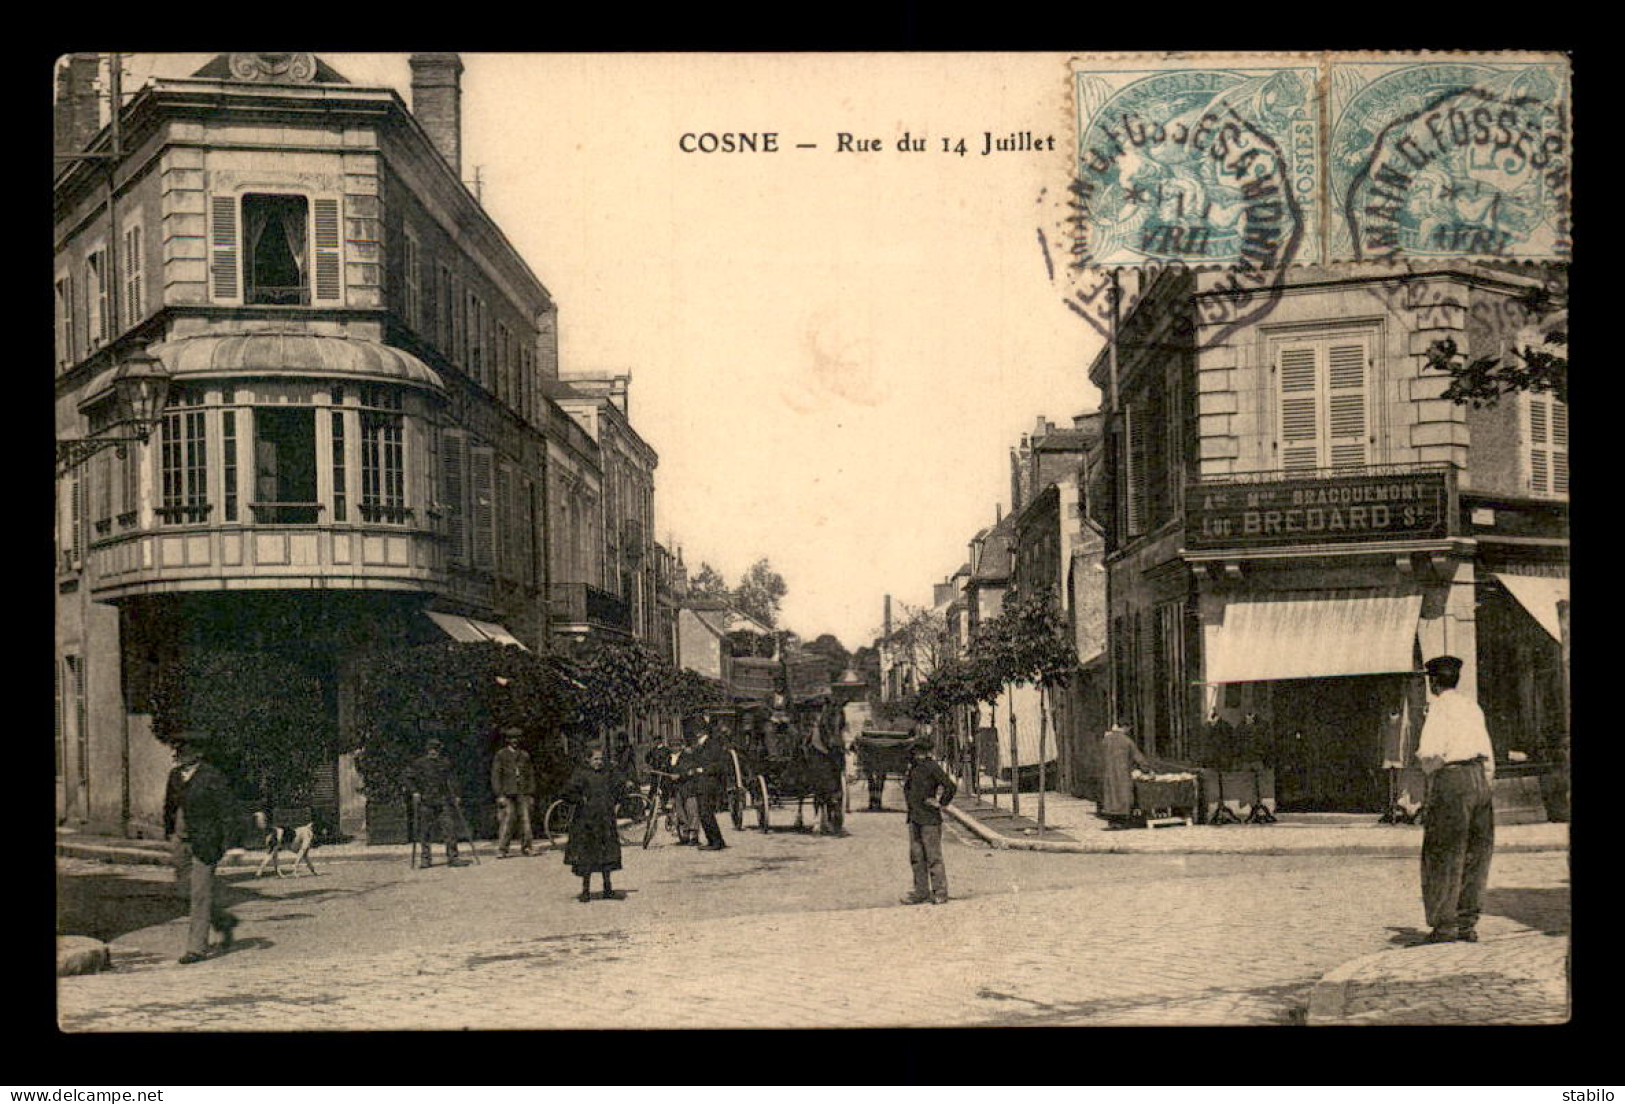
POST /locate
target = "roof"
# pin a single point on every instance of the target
(1063, 440)
(723, 620)
(997, 558)
(293, 353)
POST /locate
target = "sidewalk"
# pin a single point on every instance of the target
(1070, 825)
(137, 852)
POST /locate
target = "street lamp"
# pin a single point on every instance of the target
(139, 391)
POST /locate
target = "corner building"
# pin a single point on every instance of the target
(357, 451)
(1297, 521)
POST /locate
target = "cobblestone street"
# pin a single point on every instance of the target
(720, 940)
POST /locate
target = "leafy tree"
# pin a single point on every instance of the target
(1536, 368)
(708, 583)
(759, 593)
(266, 718)
(826, 645)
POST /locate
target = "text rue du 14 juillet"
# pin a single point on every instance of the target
(770, 141)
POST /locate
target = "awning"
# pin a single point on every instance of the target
(466, 630)
(1318, 635)
(1539, 595)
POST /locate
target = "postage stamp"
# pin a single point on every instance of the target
(1206, 164)
(1448, 157)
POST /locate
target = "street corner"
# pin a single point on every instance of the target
(1507, 977)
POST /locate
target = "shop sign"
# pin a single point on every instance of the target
(1402, 505)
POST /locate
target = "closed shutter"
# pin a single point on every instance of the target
(329, 262)
(76, 523)
(482, 472)
(506, 546)
(225, 285)
(134, 304)
(1548, 436)
(454, 475)
(1347, 431)
(1560, 447)
(412, 282)
(1134, 464)
(1299, 408)
(527, 543)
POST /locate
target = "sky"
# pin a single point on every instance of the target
(832, 352)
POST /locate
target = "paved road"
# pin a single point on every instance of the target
(721, 939)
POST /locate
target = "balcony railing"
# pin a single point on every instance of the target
(1328, 474)
(285, 513)
(581, 604)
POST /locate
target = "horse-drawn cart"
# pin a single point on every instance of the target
(881, 754)
(786, 746)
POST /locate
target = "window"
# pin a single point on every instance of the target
(228, 469)
(183, 459)
(476, 338)
(98, 287)
(411, 282)
(64, 319)
(504, 370)
(383, 461)
(130, 500)
(284, 466)
(135, 303)
(483, 511)
(275, 250)
(448, 312)
(454, 492)
(79, 731)
(1131, 445)
(341, 488)
(101, 470)
(1322, 407)
(1546, 455)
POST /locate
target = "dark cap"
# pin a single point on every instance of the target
(1443, 665)
(512, 732)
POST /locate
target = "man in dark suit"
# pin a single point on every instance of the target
(926, 789)
(435, 803)
(707, 764)
(200, 818)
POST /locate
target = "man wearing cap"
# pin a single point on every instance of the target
(1458, 836)
(200, 816)
(434, 799)
(926, 789)
(513, 780)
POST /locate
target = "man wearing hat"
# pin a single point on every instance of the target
(200, 816)
(513, 780)
(705, 765)
(926, 789)
(1458, 834)
(434, 799)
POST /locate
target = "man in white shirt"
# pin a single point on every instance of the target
(1459, 822)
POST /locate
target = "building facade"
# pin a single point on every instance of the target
(357, 433)
(1297, 520)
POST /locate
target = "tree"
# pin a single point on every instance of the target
(759, 593)
(268, 726)
(1535, 367)
(920, 639)
(826, 645)
(708, 583)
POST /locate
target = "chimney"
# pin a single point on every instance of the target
(78, 111)
(437, 102)
(886, 630)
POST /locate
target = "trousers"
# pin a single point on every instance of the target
(437, 820)
(707, 814)
(511, 807)
(925, 856)
(1458, 840)
(204, 911)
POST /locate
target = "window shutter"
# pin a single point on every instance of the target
(76, 523)
(329, 263)
(1560, 447)
(133, 303)
(104, 294)
(412, 282)
(1540, 445)
(506, 546)
(1300, 421)
(454, 468)
(1346, 416)
(482, 465)
(224, 282)
(1133, 474)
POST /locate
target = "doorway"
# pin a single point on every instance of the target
(1329, 748)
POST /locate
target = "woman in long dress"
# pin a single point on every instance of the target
(594, 846)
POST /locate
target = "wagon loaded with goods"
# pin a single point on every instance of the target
(882, 754)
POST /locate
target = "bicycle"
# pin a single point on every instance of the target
(630, 811)
(661, 812)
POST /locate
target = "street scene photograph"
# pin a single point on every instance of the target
(670, 541)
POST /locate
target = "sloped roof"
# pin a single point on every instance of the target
(1063, 440)
(997, 549)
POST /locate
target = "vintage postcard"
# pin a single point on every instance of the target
(701, 540)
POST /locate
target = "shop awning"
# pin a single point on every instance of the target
(466, 630)
(1539, 595)
(1318, 635)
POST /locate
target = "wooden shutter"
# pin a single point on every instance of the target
(454, 474)
(1133, 474)
(1299, 407)
(1540, 444)
(412, 282)
(482, 473)
(76, 522)
(506, 546)
(1347, 431)
(225, 284)
(133, 302)
(1560, 447)
(329, 262)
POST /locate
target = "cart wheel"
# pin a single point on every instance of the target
(736, 808)
(762, 803)
(556, 822)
